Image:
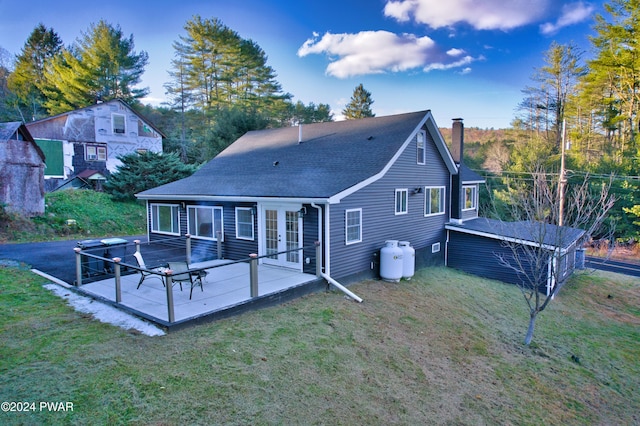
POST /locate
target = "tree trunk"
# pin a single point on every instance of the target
(532, 325)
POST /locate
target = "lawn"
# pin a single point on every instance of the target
(443, 348)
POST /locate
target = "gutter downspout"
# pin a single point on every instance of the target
(341, 288)
(324, 275)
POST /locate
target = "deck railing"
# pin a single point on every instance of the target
(117, 265)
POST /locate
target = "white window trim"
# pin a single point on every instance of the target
(427, 197)
(424, 147)
(98, 148)
(435, 248)
(474, 204)
(252, 224)
(156, 220)
(404, 191)
(213, 218)
(113, 127)
(346, 233)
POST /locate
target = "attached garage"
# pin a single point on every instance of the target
(476, 247)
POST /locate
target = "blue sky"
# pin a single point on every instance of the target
(458, 58)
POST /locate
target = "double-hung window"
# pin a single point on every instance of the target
(353, 226)
(401, 201)
(165, 219)
(95, 153)
(205, 222)
(118, 123)
(421, 138)
(470, 197)
(244, 223)
(434, 200)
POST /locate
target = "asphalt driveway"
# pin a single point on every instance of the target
(55, 258)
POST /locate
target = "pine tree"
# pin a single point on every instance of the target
(139, 172)
(360, 104)
(101, 66)
(27, 77)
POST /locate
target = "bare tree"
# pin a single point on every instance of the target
(541, 252)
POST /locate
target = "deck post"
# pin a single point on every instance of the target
(169, 288)
(318, 259)
(116, 261)
(78, 266)
(253, 274)
(188, 237)
(137, 243)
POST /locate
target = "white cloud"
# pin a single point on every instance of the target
(375, 52)
(571, 14)
(480, 14)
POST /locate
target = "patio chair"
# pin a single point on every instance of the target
(182, 274)
(144, 272)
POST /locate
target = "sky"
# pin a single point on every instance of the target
(466, 59)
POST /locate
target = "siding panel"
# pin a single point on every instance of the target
(379, 221)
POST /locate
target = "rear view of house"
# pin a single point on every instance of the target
(349, 185)
(21, 171)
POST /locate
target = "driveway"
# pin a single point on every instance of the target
(55, 258)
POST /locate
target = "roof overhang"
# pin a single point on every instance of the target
(228, 198)
(427, 121)
(507, 239)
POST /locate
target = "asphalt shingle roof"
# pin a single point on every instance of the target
(331, 158)
(532, 232)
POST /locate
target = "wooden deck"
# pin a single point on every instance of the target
(226, 289)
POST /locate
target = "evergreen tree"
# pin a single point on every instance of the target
(139, 172)
(299, 113)
(101, 66)
(27, 78)
(546, 103)
(360, 104)
(7, 112)
(614, 79)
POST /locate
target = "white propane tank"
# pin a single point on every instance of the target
(391, 261)
(408, 259)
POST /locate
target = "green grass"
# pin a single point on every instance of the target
(94, 214)
(443, 348)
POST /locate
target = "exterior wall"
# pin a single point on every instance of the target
(485, 263)
(138, 135)
(379, 221)
(94, 125)
(21, 178)
(232, 247)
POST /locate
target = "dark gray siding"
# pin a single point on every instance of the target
(232, 248)
(478, 255)
(310, 236)
(379, 221)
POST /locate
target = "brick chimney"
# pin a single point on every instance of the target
(457, 152)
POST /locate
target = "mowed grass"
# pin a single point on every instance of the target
(443, 348)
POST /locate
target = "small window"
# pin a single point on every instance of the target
(118, 124)
(435, 247)
(470, 197)
(434, 200)
(95, 153)
(205, 222)
(420, 142)
(353, 226)
(165, 219)
(401, 201)
(244, 223)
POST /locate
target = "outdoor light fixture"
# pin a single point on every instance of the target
(416, 191)
(302, 212)
(254, 210)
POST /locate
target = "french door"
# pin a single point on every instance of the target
(282, 235)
